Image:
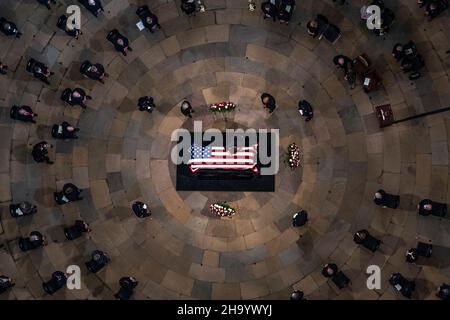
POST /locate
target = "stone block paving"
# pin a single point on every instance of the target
(226, 53)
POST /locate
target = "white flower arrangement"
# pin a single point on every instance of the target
(222, 209)
(293, 156)
(222, 107)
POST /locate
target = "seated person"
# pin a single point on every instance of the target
(402, 285)
(75, 231)
(99, 259)
(127, 285)
(401, 51)
(364, 238)
(269, 102)
(387, 200)
(75, 97)
(422, 250)
(413, 64)
(285, 11)
(93, 6)
(443, 292)
(40, 152)
(93, 71)
(149, 19)
(5, 283)
(39, 70)
(427, 207)
(317, 26)
(141, 210)
(146, 103)
(305, 109)
(47, 3)
(9, 28)
(23, 113)
(23, 208)
(269, 9)
(329, 270)
(33, 241)
(300, 218)
(188, 7)
(64, 131)
(186, 109)
(119, 41)
(435, 8)
(58, 281)
(68, 28)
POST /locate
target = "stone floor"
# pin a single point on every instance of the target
(226, 53)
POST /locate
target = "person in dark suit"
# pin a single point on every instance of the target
(99, 259)
(364, 238)
(76, 230)
(141, 210)
(148, 18)
(75, 97)
(72, 192)
(22, 209)
(188, 7)
(64, 131)
(427, 207)
(23, 113)
(299, 218)
(186, 109)
(285, 11)
(305, 109)
(39, 70)
(3, 68)
(443, 292)
(387, 200)
(317, 26)
(93, 71)
(387, 19)
(93, 6)
(401, 51)
(68, 28)
(119, 41)
(269, 102)
(33, 241)
(40, 152)
(5, 283)
(47, 3)
(435, 8)
(127, 285)
(403, 285)
(146, 103)
(411, 255)
(269, 9)
(329, 270)
(346, 64)
(9, 28)
(57, 282)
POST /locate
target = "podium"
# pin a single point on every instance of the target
(384, 115)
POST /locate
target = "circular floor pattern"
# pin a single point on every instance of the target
(226, 53)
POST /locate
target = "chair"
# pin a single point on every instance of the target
(341, 280)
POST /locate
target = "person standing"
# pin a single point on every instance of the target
(93, 6)
(75, 97)
(93, 71)
(387, 200)
(269, 102)
(346, 64)
(148, 18)
(23, 113)
(299, 218)
(329, 270)
(186, 109)
(5, 283)
(188, 7)
(285, 11)
(9, 28)
(269, 9)
(443, 292)
(99, 259)
(119, 41)
(40, 152)
(39, 70)
(146, 103)
(305, 109)
(3, 68)
(127, 285)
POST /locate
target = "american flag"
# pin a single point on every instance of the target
(211, 157)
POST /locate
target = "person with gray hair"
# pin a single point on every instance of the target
(387, 200)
